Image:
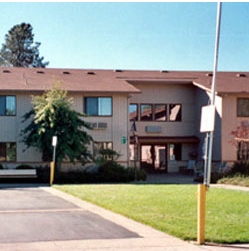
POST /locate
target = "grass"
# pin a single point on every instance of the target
(173, 208)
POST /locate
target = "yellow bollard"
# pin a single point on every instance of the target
(51, 173)
(201, 214)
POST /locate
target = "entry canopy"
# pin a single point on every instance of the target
(165, 140)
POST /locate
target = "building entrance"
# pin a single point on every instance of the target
(154, 158)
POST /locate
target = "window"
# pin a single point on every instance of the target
(175, 112)
(175, 151)
(8, 151)
(155, 112)
(160, 112)
(146, 112)
(243, 150)
(243, 107)
(98, 146)
(98, 106)
(7, 105)
(133, 112)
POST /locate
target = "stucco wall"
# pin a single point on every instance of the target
(202, 99)
(184, 94)
(230, 122)
(117, 126)
(168, 94)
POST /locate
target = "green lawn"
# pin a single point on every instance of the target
(173, 208)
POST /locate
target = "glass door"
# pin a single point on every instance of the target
(154, 158)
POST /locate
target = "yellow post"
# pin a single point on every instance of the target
(201, 214)
(51, 173)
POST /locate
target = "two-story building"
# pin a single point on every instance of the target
(165, 106)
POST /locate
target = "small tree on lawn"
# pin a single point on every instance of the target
(52, 115)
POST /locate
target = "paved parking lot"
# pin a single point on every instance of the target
(37, 218)
(33, 214)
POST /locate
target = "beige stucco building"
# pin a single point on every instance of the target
(165, 105)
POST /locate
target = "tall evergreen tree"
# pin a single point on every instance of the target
(19, 49)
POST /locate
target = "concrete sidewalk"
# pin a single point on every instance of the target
(119, 233)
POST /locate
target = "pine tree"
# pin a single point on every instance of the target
(19, 49)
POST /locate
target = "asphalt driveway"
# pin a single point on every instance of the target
(33, 214)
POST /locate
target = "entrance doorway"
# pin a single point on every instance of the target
(154, 158)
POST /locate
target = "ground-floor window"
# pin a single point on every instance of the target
(7, 151)
(154, 157)
(133, 152)
(243, 150)
(175, 151)
(98, 146)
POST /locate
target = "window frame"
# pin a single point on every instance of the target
(166, 111)
(239, 115)
(5, 148)
(151, 116)
(98, 99)
(5, 113)
(175, 120)
(176, 149)
(137, 112)
(103, 145)
(243, 151)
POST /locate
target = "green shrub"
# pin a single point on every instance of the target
(70, 177)
(239, 167)
(237, 180)
(43, 173)
(141, 174)
(109, 172)
(24, 166)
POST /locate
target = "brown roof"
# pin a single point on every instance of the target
(226, 82)
(115, 81)
(34, 79)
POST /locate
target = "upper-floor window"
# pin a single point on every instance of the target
(7, 105)
(243, 107)
(175, 112)
(155, 112)
(146, 112)
(98, 106)
(133, 112)
(8, 151)
(160, 112)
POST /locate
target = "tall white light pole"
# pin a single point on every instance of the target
(210, 121)
(213, 90)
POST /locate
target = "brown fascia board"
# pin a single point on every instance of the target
(159, 81)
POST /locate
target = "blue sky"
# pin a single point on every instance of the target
(128, 35)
